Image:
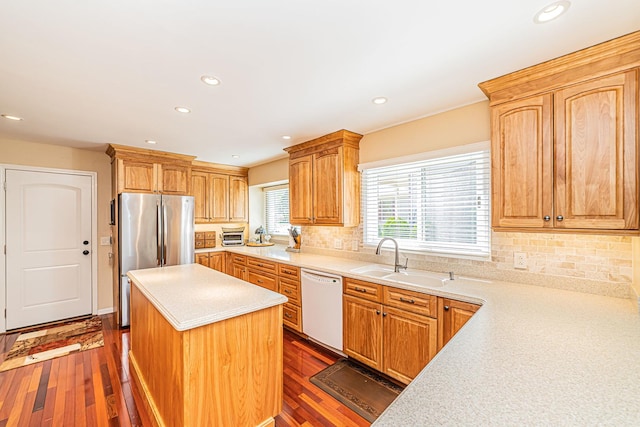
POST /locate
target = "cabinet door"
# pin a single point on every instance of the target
(362, 336)
(327, 187)
(238, 271)
(216, 261)
(136, 176)
(203, 259)
(301, 190)
(200, 194)
(596, 159)
(219, 198)
(174, 179)
(455, 315)
(521, 164)
(410, 342)
(238, 199)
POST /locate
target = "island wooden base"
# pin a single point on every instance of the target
(227, 373)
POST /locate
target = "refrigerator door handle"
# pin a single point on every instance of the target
(165, 233)
(159, 233)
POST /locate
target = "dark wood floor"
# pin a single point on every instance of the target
(93, 388)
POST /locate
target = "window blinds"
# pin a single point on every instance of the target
(276, 202)
(438, 205)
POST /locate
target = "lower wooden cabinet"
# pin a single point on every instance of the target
(215, 260)
(394, 341)
(454, 315)
(265, 280)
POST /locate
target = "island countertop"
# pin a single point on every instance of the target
(190, 295)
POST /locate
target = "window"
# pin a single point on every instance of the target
(276, 203)
(438, 204)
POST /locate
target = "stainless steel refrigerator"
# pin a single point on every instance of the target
(153, 231)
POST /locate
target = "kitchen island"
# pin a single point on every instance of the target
(206, 348)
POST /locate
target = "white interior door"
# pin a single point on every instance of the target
(48, 238)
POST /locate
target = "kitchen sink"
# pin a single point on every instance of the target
(409, 277)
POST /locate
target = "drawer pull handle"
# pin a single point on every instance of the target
(360, 290)
(287, 291)
(289, 272)
(259, 281)
(260, 265)
(288, 316)
(410, 301)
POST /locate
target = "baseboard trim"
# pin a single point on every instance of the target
(107, 310)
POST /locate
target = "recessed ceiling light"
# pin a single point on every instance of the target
(287, 137)
(235, 156)
(184, 110)
(150, 141)
(379, 100)
(210, 80)
(551, 11)
(10, 117)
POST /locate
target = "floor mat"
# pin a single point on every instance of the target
(54, 341)
(357, 387)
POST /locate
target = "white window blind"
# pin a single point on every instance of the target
(276, 203)
(440, 204)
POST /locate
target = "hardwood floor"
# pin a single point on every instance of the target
(93, 388)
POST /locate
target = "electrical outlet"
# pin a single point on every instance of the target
(355, 246)
(337, 243)
(105, 241)
(520, 260)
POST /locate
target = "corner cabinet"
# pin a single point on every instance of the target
(220, 193)
(324, 183)
(565, 142)
(138, 170)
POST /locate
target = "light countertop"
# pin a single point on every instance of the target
(530, 356)
(191, 295)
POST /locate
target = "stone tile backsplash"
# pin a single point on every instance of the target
(600, 265)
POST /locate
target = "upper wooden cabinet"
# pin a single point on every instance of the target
(220, 193)
(565, 142)
(139, 170)
(324, 183)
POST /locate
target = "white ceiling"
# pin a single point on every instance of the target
(88, 73)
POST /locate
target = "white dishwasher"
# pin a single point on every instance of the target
(322, 308)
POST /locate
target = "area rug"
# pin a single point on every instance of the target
(360, 389)
(54, 341)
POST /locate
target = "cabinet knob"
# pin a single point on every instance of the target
(547, 218)
(559, 217)
(446, 308)
(288, 316)
(384, 314)
(377, 311)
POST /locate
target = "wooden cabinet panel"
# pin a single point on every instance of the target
(218, 198)
(262, 264)
(136, 176)
(455, 315)
(290, 289)
(362, 335)
(203, 259)
(366, 290)
(522, 175)
(200, 193)
(238, 271)
(289, 271)
(292, 316)
(174, 179)
(409, 343)
(327, 187)
(596, 160)
(415, 302)
(238, 199)
(259, 278)
(300, 190)
(217, 261)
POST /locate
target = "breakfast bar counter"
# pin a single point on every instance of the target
(206, 348)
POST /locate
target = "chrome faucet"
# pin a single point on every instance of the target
(397, 265)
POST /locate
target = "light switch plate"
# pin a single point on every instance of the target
(105, 241)
(337, 244)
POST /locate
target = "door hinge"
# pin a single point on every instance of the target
(4, 185)
(5, 249)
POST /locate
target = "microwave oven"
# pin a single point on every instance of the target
(233, 238)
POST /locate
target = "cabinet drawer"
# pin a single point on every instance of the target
(291, 290)
(292, 316)
(289, 271)
(415, 302)
(209, 235)
(365, 290)
(199, 244)
(268, 266)
(238, 259)
(199, 235)
(259, 278)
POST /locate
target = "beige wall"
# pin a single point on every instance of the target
(636, 268)
(277, 170)
(53, 156)
(464, 125)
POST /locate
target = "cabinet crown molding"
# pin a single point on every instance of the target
(620, 54)
(201, 166)
(341, 137)
(120, 151)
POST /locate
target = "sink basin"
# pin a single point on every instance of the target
(409, 277)
(373, 271)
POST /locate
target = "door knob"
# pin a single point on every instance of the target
(86, 242)
(85, 252)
